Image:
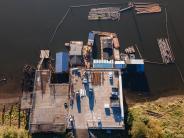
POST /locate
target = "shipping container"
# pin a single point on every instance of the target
(103, 63)
(135, 65)
(62, 59)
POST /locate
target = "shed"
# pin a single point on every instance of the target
(76, 48)
(61, 62)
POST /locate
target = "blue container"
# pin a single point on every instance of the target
(102, 65)
(62, 60)
(135, 68)
(119, 65)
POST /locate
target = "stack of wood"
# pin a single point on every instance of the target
(108, 13)
(142, 8)
(96, 78)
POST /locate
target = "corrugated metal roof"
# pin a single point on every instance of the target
(61, 62)
(76, 48)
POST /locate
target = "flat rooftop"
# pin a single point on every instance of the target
(92, 106)
(48, 113)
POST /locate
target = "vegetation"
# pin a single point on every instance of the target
(12, 132)
(159, 119)
(9, 122)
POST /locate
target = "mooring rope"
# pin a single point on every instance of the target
(58, 25)
(168, 36)
(67, 12)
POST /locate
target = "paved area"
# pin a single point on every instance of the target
(48, 111)
(88, 110)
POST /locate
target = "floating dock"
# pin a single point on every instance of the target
(165, 50)
(146, 8)
(108, 13)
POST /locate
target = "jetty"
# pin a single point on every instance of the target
(71, 96)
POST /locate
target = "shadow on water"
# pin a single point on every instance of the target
(48, 135)
(135, 82)
(109, 133)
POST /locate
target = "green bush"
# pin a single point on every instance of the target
(12, 132)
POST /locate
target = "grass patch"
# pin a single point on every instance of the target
(163, 119)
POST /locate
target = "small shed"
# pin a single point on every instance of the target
(44, 54)
(76, 48)
(62, 60)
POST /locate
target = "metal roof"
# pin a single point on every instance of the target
(61, 62)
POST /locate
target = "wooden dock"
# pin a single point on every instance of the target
(165, 50)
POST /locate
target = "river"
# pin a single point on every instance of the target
(27, 25)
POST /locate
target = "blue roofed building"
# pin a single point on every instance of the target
(62, 60)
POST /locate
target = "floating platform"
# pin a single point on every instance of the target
(108, 13)
(165, 50)
(143, 8)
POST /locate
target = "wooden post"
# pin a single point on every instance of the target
(3, 114)
(10, 113)
(19, 121)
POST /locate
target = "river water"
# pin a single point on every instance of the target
(26, 27)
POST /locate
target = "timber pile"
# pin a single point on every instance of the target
(96, 78)
(142, 8)
(108, 13)
(165, 50)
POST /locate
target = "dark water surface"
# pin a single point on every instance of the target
(27, 25)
